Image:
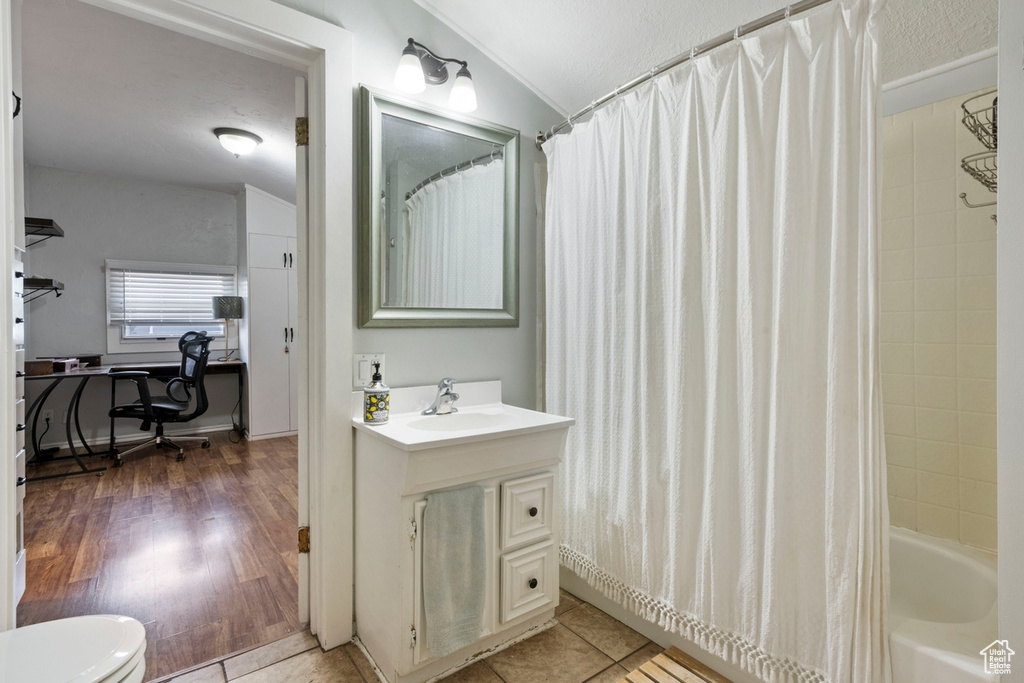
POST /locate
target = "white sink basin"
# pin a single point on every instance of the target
(481, 417)
(457, 422)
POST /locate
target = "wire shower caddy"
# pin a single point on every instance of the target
(981, 117)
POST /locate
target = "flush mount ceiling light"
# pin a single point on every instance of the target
(420, 66)
(236, 141)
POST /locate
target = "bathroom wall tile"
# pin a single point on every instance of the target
(977, 463)
(938, 457)
(898, 202)
(935, 229)
(938, 521)
(902, 513)
(976, 395)
(931, 131)
(900, 450)
(899, 420)
(899, 389)
(979, 531)
(933, 196)
(977, 429)
(938, 294)
(902, 482)
(898, 233)
(934, 392)
(976, 225)
(935, 359)
(937, 489)
(935, 162)
(897, 265)
(897, 296)
(978, 497)
(976, 327)
(898, 327)
(931, 262)
(933, 327)
(936, 425)
(898, 139)
(976, 293)
(976, 258)
(897, 358)
(898, 171)
(974, 360)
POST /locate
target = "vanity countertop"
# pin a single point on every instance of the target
(481, 416)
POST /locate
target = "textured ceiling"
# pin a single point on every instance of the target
(572, 52)
(110, 95)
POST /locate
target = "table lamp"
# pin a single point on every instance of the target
(229, 308)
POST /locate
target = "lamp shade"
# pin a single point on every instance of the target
(409, 76)
(238, 142)
(229, 307)
(463, 95)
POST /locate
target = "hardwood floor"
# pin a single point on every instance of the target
(202, 552)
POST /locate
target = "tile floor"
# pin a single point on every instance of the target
(586, 645)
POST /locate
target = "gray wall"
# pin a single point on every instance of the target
(115, 218)
(413, 356)
(1010, 362)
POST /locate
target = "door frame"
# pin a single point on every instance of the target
(323, 52)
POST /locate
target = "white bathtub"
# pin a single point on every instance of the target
(942, 611)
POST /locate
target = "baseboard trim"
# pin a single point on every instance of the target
(140, 436)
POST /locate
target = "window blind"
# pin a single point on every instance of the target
(140, 292)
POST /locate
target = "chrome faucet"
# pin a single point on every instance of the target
(444, 404)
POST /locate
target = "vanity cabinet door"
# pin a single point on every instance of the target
(488, 623)
(527, 510)
(529, 580)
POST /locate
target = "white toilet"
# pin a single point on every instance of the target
(100, 648)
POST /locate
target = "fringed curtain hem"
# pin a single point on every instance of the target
(729, 646)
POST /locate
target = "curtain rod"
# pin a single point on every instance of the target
(742, 30)
(495, 154)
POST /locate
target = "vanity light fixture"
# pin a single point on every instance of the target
(420, 66)
(238, 142)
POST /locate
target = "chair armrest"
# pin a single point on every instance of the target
(141, 379)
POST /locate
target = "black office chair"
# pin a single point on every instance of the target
(195, 352)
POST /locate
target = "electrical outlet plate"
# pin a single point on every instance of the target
(362, 368)
(47, 416)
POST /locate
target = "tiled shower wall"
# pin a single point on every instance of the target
(938, 329)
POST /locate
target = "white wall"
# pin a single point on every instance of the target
(115, 218)
(1010, 358)
(423, 356)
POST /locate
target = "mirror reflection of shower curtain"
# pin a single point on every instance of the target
(454, 241)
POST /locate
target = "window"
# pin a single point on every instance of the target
(158, 302)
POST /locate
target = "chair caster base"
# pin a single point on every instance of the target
(181, 456)
(118, 463)
(205, 444)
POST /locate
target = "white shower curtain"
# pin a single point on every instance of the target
(454, 240)
(712, 293)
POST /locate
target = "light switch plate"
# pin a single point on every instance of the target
(362, 368)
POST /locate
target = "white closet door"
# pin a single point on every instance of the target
(295, 344)
(268, 371)
(269, 251)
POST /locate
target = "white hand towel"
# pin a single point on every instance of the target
(454, 568)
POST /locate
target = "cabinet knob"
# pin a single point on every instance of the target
(533, 583)
(21, 481)
(18, 273)
(19, 373)
(20, 427)
(18, 321)
(533, 512)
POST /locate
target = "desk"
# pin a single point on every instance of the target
(157, 370)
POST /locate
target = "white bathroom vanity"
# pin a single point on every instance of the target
(513, 454)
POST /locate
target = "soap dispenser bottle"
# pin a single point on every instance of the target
(376, 399)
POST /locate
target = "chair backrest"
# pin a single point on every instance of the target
(195, 354)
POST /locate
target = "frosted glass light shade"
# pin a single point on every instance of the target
(409, 76)
(463, 95)
(238, 142)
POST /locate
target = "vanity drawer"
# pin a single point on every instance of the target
(529, 580)
(527, 509)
